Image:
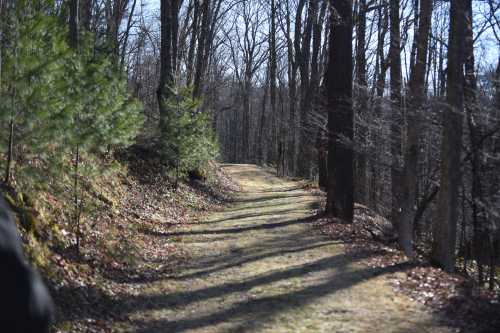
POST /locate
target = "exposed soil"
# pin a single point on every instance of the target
(260, 266)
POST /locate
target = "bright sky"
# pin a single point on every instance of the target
(487, 47)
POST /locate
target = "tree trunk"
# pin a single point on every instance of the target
(445, 221)
(322, 148)
(199, 70)
(261, 153)
(497, 86)
(396, 104)
(74, 39)
(73, 23)
(115, 11)
(316, 47)
(166, 74)
(292, 91)
(273, 68)
(192, 43)
(303, 55)
(480, 235)
(416, 101)
(127, 34)
(381, 72)
(176, 7)
(245, 129)
(316, 95)
(86, 14)
(361, 86)
(340, 199)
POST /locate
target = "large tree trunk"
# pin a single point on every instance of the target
(362, 92)
(340, 199)
(416, 101)
(444, 224)
(396, 104)
(480, 245)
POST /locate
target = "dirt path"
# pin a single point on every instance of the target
(259, 267)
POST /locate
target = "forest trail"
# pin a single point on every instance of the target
(258, 266)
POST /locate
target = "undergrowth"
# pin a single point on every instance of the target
(128, 210)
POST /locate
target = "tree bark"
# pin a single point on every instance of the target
(479, 244)
(293, 55)
(379, 87)
(205, 21)
(396, 105)
(273, 67)
(303, 54)
(416, 101)
(166, 61)
(73, 23)
(340, 198)
(115, 11)
(317, 95)
(176, 7)
(361, 87)
(261, 154)
(444, 224)
(192, 43)
(245, 124)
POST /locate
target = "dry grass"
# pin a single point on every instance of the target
(260, 266)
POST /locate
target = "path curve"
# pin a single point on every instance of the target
(259, 266)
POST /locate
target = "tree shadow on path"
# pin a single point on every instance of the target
(254, 312)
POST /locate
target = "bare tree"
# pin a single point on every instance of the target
(246, 44)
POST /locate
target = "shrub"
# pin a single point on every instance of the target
(188, 142)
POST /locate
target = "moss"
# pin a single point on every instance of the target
(37, 253)
(23, 212)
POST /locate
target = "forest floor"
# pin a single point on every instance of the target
(259, 265)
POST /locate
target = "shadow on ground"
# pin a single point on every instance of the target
(259, 266)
